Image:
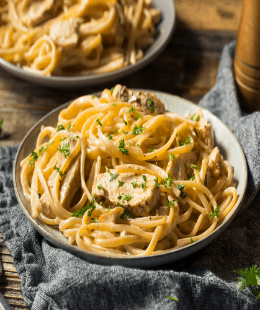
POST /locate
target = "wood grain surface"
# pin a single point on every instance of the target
(187, 67)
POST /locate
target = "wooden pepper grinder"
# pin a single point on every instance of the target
(247, 56)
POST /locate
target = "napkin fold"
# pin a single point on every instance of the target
(54, 279)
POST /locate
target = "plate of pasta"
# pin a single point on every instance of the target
(74, 43)
(132, 177)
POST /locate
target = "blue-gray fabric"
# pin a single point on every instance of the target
(54, 279)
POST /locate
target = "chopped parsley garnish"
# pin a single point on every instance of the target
(170, 204)
(131, 110)
(183, 195)
(82, 211)
(98, 121)
(124, 122)
(111, 136)
(59, 170)
(138, 116)
(39, 195)
(143, 186)
(151, 150)
(196, 119)
(137, 145)
(144, 177)
(193, 166)
(122, 148)
(127, 197)
(250, 278)
(125, 214)
(69, 127)
(171, 156)
(62, 139)
(156, 182)
(191, 240)
(120, 183)
(114, 104)
(101, 203)
(34, 158)
(99, 187)
(138, 131)
(125, 132)
(108, 209)
(180, 186)
(93, 96)
(95, 220)
(65, 149)
(206, 180)
(168, 181)
(172, 298)
(119, 197)
(135, 184)
(113, 176)
(187, 141)
(214, 214)
(151, 105)
(44, 148)
(73, 138)
(111, 90)
(1, 122)
(192, 178)
(60, 127)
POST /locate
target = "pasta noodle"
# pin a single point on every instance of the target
(75, 37)
(120, 176)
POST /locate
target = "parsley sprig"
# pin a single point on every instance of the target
(138, 131)
(90, 208)
(168, 181)
(250, 278)
(59, 171)
(111, 136)
(60, 127)
(122, 148)
(135, 184)
(64, 149)
(151, 105)
(113, 176)
(34, 156)
(187, 141)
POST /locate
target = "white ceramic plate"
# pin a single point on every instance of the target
(164, 33)
(224, 139)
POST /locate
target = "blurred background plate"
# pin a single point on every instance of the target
(224, 139)
(163, 36)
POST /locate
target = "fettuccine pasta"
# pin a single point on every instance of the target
(121, 176)
(75, 37)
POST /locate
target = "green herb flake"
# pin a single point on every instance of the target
(1, 122)
(62, 139)
(90, 208)
(168, 181)
(108, 209)
(214, 214)
(99, 187)
(187, 141)
(125, 214)
(135, 184)
(126, 133)
(95, 220)
(93, 96)
(143, 186)
(65, 149)
(120, 183)
(111, 90)
(144, 177)
(114, 104)
(171, 156)
(124, 122)
(191, 240)
(98, 121)
(44, 148)
(172, 298)
(60, 127)
(69, 127)
(101, 203)
(137, 145)
(183, 195)
(151, 105)
(193, 166)
(138, 131)
(180, 186)
(156, 182)
(127, 198)
(59, 170)
(192, 178)
(39, 195)
(111, 136)
(131, 110)
(138, 116)
(119, 197)
(170, 204)
(34, 158)
(151, 150)
(122, 148)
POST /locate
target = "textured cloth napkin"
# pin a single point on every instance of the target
(54, 279)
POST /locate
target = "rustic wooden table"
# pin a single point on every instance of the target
(187, 68)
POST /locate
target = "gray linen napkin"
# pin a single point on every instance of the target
(54, 279)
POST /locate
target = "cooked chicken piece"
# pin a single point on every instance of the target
(36, 12)
(138, 202)
(46, 208)
(215, 158)
(163, 244)
(70, 181)
(181, 167)
(204, 130)
(146, 102)
(112, 216)
(163, 211)
(65, 32)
